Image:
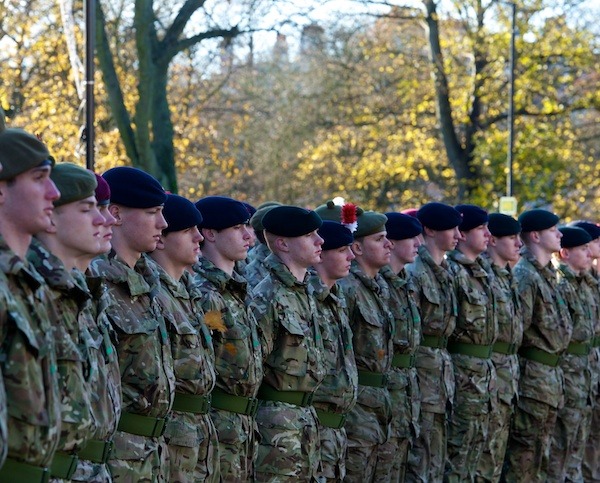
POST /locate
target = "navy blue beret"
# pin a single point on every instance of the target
(220, 212)
(134, 188)
(180, 214)
(400, 226)
(250, 208)
(503, 225)
(537, 220)
(591, 228)
(439, 216)
(472, 216)
(573, 236)
(335, 235)
(291, 221)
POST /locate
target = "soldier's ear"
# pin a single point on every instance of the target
(115, 211)
(281, 243)
(492, 241)
(208, 234)
(357, 248)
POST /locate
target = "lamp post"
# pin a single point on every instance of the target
(90, 33)
(511, 104)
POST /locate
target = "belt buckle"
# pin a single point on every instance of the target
(159, 428)
(444, 341)
(45, 475)
(107, 450)
(412, 360)
(252, 406)
(384, 380)
(342, 421)
(307, 399)
(72, 467)
(205, 407)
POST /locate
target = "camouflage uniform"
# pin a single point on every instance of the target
(506, 363)
(28, 363)
(69, 298)
(368, 424)
(402, 381)
(293, 368)
(546, 334)
(475, 377)
(146, 365)
(336, 395)
(573, 421)
(435, 295)
(105, 384)
(255, 270)
(238, 361)
(190, 433)
(591, 459)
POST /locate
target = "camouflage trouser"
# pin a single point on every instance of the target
(334, 450)
(568, 444)
(193, 448)
(427, 456)
(591, 459)
(238, 445)
(138, 459)
(492, 458)
(394, 453)
(289, 442)
(529, 441)
(91, 472)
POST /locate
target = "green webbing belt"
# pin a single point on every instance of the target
(190, 403)
(473, 350)
(372, 379)
(299, 398)
(142, 425)
(96, 451)
(539, 355)
(579, 348)
(505, 348)
(18, 471)
(63, 465)
(331, 420)
(234, 404)
(403, 360)
(438, 342)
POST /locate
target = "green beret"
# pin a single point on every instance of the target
(74, 183)
(503, 225)
(573, 236)
(370, 222)
(537, 220)
(330, 211)
(291, 221)
(21, 151)
(256, 220)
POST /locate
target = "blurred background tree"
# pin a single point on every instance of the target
(389, 105)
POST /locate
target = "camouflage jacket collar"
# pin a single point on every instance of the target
(590, 278)
(55, 273)
(566, 272)
(474, 266)
(373, 284)
(260, 251)
(220, 279)
(11, 264)
(95, 285)
(322, 292)
(547, 272)
(175, 287)
(280, 271)
(122, 273)
(440, 271)
(396, 280)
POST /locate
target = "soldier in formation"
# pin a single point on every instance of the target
(131, 348)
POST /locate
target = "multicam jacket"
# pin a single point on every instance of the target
(338, 391)
(403, 385)
(143, 347)
(290, 334)
(193, 355)
(28, 362)
(69, 298)
(238, 354)
(476, 324)
(546, 326)
(593, 282)
(580, 299)
(434, 291)
(372, 325)
(255, 270)
(510, 332)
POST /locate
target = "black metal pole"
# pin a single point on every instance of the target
(511, 104)
(90, 30)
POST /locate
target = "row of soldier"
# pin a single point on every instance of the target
(142, 341)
